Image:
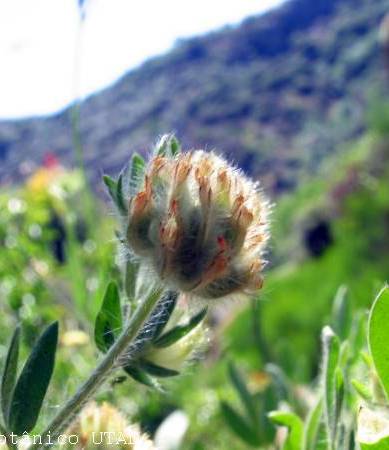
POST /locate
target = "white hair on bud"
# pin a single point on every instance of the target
(199, 225)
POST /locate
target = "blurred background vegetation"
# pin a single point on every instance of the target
(297, 97)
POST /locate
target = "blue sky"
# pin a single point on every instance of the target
(38, 40)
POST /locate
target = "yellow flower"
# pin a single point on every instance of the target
(42, 178)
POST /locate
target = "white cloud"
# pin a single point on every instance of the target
(38, 40)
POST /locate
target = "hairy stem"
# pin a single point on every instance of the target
(99, 375)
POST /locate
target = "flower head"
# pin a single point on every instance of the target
(199, 223)
(103, 426)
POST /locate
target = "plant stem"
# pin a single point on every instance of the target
(104, 368)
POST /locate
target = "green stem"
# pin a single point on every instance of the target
(104, 368)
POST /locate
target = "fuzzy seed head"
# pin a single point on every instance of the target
(199, 224)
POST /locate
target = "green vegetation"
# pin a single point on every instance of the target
(272, 343)
(291, 110)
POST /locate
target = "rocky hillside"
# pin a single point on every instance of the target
(277, 93)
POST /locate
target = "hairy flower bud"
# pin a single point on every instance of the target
(199, 224)
(179, 353)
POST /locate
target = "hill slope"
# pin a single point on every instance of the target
(278, 93)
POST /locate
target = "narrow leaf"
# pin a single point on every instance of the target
(168, 146)
(293, 423)
(378, 336)
(239, 425)
(178, 332)
(157, 371)
(109, 319)
(245, 396)
(331, 348)
(119, 194)
(31, 387)
(136, 173)
(339, 394)
(9, 374)
(116, 192)
(111, 186)
(341, 313)
(137, 167)
(362, 390)
(175, 146)
(140, 376)
(357, 338)
(281, 383)
(161, 149)
(312, 426)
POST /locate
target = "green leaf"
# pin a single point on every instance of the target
(293, 423)
(109, 319)
(357, 339)
(331, 349)
(175, 146)
(31, 387)
(362, 390)
(161, 149)
(111, 186)
(239, 425)
(281, 383)
(168, 146)
(245, 396)
(339, 392)
(9, 374)
(341, 313)
(157, 371)
(115, 190)
(178, 332)
(378, 336)
(267, 401)
(119, 194)
(136, 172)
(344, 354)
(141, 377)
(312, 426)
